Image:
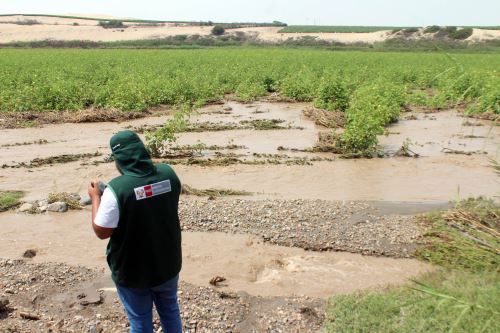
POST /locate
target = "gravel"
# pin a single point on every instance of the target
(51, 293)
(309, 224)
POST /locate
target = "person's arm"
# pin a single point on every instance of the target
(95, 195)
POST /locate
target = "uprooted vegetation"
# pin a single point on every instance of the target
(30, 119)
(325, 118)
(72, 201)
(461, 297)
(57, 159)
(25, 143)
(467, 236)
(212, 192)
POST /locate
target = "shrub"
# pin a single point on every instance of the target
(432, 29)
(299, 86)
(218, 30)
(332, 95)
(113, 24)
(462, 33)
(410, 30)
(28, 22)
(448, 30)
(75, 24)
(371, 108)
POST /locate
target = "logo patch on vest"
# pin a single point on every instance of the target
(152, 190)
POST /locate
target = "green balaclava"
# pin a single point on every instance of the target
(131, 155)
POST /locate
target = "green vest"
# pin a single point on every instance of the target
(145, 249)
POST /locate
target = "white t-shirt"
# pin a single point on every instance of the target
(108, 213)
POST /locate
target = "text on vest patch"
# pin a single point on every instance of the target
(152, 190)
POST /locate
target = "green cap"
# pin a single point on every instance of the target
(130, 154)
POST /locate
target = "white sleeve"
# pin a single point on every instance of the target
(108, 213)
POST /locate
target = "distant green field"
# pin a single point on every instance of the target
(228, 25)
(332, 28)
(486, 28)
(87, 18)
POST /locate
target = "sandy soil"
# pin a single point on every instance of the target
(482, 34)
(63, 29)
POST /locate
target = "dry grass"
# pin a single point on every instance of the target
(212, 192)
(71, 201)
(32, 119)
(466, 237)
(329, 119)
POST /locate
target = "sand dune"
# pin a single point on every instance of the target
(57, 28)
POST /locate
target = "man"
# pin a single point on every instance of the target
(138, 211)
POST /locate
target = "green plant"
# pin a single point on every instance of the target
(332, 95)
(9, 199)
(218, 30)
(461, 33)
(371, 109)
(466, 237)
(159, 140)
(444, 301)
(411, 30)
(112, 24)
(432, 29)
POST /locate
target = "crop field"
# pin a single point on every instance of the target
(370, 88)
(316, 185)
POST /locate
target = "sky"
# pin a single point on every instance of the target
(311, 12)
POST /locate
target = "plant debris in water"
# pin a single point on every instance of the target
(58, 159)
(212, 192)
(69, 199)
(463, 152)
(329, 119)
(36, 142)
(267, 124)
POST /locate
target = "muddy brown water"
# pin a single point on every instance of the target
(435, 177)
(246, 263)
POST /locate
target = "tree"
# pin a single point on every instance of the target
(218, 30)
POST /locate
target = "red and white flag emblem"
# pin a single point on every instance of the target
(152, 190)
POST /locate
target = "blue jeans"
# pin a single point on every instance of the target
(138, 304)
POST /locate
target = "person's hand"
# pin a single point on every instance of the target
(94, 191)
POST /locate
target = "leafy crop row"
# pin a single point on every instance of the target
(371, 88)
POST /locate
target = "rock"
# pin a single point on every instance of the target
(91, 297)
(25, 207)
(30, 253)
(4, 302)
(58, 207)
(29, 316)
(43, 209)
(75, 196)
(85, 200)
(43, 202)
